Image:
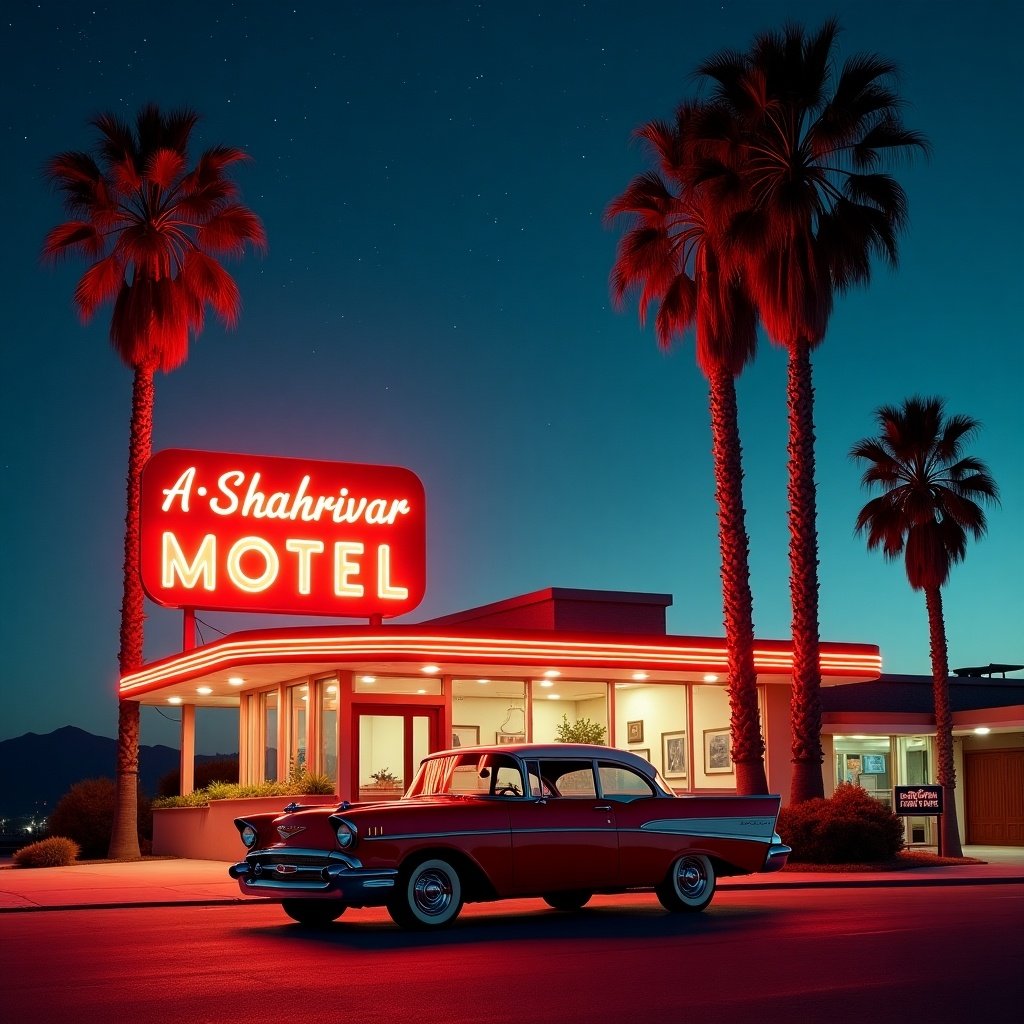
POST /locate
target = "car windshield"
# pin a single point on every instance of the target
(468, 775)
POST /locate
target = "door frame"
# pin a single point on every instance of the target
(432, 712)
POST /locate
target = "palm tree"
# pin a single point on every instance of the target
(808, 144)
(928, 506)
(152, 230)
(674, 256)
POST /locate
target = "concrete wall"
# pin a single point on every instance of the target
(209, 833)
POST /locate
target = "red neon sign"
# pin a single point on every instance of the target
(255, 533)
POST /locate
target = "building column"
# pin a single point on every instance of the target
(188, 749)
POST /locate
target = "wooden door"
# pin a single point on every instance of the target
(994, 797)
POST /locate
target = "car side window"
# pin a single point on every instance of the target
(619, 783)
(508, 780)
(574, 779)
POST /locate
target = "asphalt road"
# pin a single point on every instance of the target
(944, 954)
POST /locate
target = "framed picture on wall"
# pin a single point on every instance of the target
(465, 735)
(509, 737)
(673, 754)
(634, 732)
(644, 752)
(717, 752)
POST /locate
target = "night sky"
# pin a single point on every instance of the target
(432, 178)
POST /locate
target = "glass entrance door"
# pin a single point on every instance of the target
(390, 742)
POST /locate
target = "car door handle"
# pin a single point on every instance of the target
(602, 807)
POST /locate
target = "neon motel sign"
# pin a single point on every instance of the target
(255, 533)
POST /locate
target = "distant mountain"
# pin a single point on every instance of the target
(36, 771)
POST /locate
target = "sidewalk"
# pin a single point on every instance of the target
(156, 883)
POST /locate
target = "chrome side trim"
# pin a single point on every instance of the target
(720, 828)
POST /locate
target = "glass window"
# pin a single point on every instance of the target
(298, 701)
(328, 691)
(560, 704)
(488, 711)
(268, 703)
(618, 783)
(865, 761)
(569, 778)
(408, 685)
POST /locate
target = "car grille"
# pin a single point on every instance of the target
(289, 866)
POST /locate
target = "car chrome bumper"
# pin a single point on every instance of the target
(778, 854)
(294, 874)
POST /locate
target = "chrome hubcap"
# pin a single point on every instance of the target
(432, 892)
(691, 879)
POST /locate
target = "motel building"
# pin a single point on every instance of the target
(364, 702)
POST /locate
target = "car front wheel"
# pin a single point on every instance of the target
(428, 896)
(575, 900)
(313, 913)
(689, 884)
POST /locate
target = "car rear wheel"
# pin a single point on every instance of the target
(313, 913)
(575, 900)
(429, 895)
(689, 884)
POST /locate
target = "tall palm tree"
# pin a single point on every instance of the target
(674, 256)
(152, 230)
(929, 504)
(809, 143)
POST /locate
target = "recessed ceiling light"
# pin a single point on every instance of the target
(982, 730)
(546, 682)
(236, 681)
(367, 679)
(552, 673)
(554, 696)
(173, 700)
(332, 689)
(711, 678)
(204, 690)
(421, 691)
(483, 682)
(430, 670)
(639, 675)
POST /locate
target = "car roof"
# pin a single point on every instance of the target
(585, 751)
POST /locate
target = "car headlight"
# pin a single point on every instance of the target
(248, 835)
(346, 834)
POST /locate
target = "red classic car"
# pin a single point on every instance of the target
(560, 821)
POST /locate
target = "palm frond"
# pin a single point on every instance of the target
(100, 283)
(230, 229)
(164, 167)
(73, 236)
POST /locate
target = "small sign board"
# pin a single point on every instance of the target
(924, 800)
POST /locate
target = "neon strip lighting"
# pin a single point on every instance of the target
(441, 648)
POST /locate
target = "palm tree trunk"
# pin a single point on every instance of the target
(745, 721)
(124, 840)
(949, 830)
(805, 700)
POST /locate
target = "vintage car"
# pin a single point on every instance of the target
(561, 821)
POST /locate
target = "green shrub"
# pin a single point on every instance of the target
(851, 827)
(55, 852)
(85, 813)
(219, 769)
(581, 731)
(301, 783)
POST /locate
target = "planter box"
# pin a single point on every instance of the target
(209, 833)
